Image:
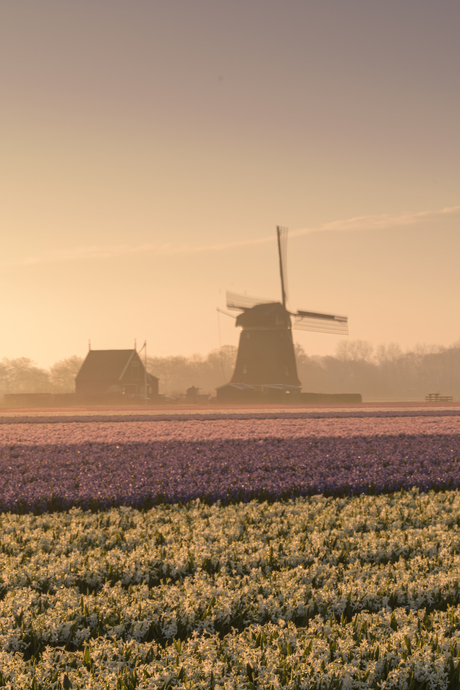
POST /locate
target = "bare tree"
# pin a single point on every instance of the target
(63, 373)
(22, 375)
(176, 374)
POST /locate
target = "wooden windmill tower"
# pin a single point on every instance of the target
(266, 355)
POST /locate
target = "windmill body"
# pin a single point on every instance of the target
(266, 357)
(266, 349)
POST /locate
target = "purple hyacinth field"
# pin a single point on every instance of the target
(102, 460)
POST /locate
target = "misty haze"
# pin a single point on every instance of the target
(229, 345)
(384, 373)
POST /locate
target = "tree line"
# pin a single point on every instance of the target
(383, 373)
(22, 375)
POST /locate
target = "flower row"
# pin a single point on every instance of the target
(401, 649)
(173, 572)
(191, 429)
(357, 592)
(50, 477)
(324, 536)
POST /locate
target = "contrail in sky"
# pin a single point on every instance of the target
(358, 223)
(379, 222)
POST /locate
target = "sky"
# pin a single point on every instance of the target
(149, 149)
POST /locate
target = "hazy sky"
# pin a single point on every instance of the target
(149, 149)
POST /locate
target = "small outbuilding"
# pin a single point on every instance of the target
(119, 372)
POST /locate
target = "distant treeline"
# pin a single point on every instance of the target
(22, 375)
(383, 373)
(178, 373)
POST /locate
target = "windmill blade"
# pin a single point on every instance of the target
(222, 311)
(322, 323)
(282, 234)
(242, 302)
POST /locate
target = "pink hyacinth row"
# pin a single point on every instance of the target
(127, 431)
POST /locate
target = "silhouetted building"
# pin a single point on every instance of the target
(266, 350)
(265, 364)
(115, 371)
(191, 395)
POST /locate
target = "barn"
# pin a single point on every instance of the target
(119, 372)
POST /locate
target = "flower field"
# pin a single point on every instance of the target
(99, 463)
(359, 588)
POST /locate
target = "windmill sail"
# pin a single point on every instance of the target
(242, 302)
(322, 323)
(282, 234)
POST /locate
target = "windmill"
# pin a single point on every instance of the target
(266, 355)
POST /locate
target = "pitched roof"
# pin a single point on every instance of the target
(106, 365)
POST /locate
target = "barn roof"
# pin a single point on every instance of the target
(106, 364)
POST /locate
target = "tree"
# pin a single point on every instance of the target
(22, 375)
(176, 373)
(355, 350)
(63, 373)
